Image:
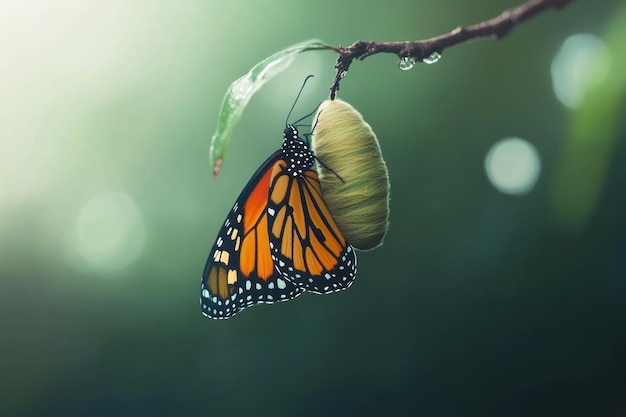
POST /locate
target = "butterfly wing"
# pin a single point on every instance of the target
(307, 246)
(240, 271)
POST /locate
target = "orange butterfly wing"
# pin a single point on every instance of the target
(278, 240)
(307, 246)
(240, 271)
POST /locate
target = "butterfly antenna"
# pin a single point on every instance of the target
(296, 100)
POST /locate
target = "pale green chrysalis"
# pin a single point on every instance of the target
(352, 173)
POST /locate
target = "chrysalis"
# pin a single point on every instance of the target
(352, 173)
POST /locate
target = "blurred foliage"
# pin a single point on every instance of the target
(594, 127)
(479, 303)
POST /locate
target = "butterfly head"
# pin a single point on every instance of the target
(296, 152)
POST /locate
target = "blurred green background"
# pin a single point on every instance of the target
(500, 289)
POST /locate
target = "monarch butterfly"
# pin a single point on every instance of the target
(278, 240)
(357, 189)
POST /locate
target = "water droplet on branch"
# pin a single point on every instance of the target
(432, 58)
(406, 63)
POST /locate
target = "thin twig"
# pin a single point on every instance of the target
(417, 51)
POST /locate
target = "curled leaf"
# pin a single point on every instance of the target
(239, 93)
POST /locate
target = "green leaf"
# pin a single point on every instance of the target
(239, 93)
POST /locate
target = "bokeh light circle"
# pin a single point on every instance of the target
(583, 61)
(109, 231)
(513, 166)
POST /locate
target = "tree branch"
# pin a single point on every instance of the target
(418, 51)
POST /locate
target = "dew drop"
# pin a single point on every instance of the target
(432, 58)
(406, 63)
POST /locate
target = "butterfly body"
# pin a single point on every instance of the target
(278, 240)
